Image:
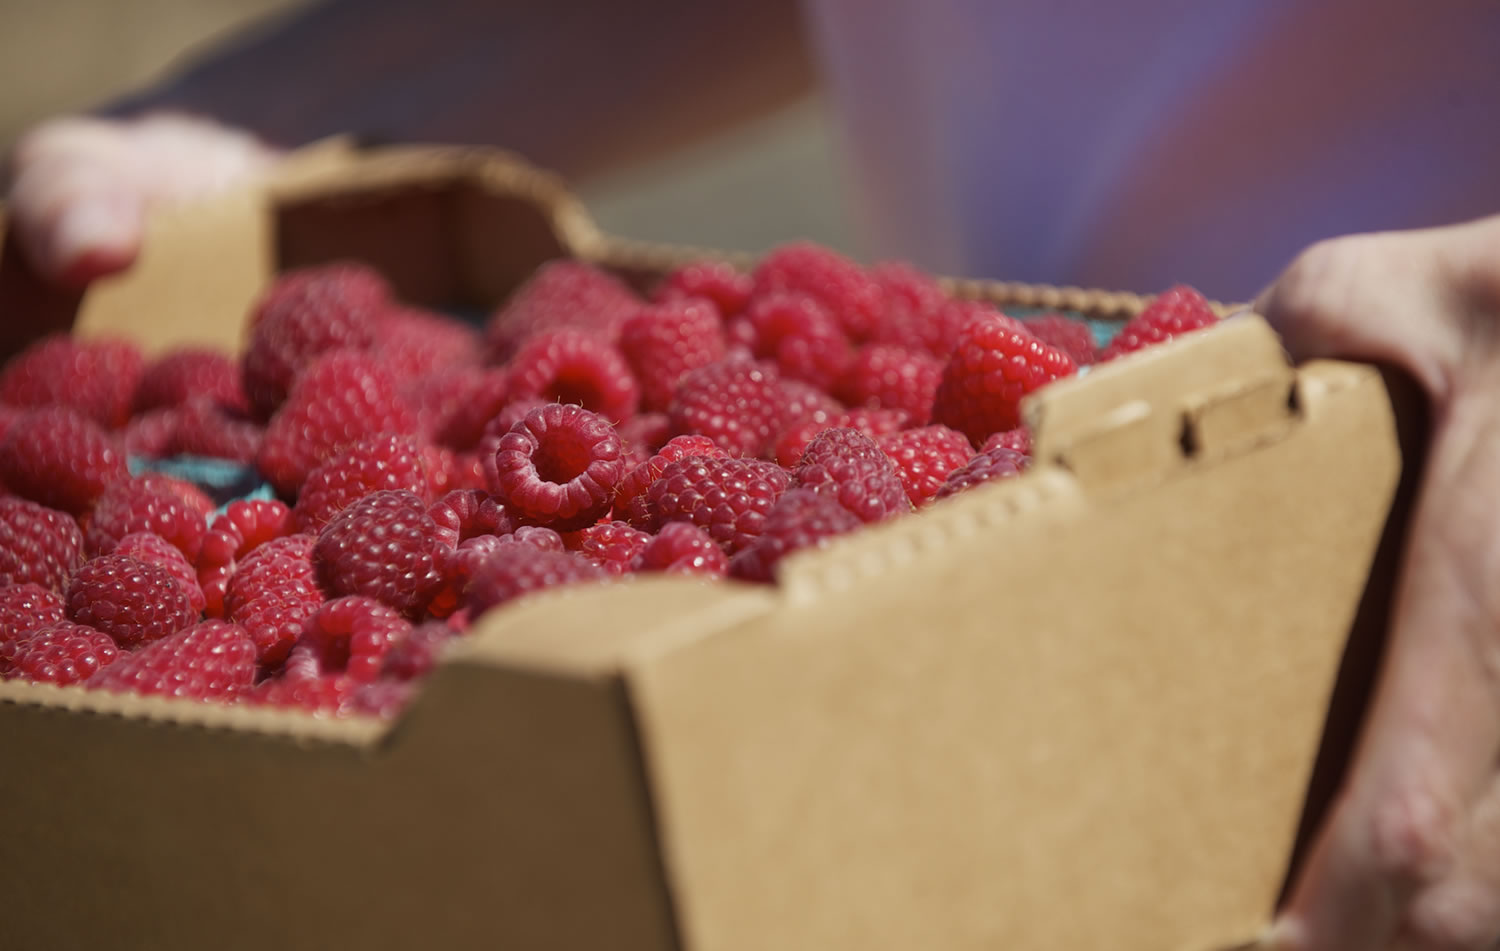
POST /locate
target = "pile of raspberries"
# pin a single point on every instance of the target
(427, 471)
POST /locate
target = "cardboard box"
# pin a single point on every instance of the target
(1079, 709)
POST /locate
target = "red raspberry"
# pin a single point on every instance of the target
(872, 422)
(800, 336)
(924, 457)
(997, 463)
(610, 545)
(913, 300)
(304, 314)
(341, 397)
(739, 338)
(939, 334)
(506, 420)
(326, 695)
(645, 433)
(989, 373)
(457, 565)
(212, 660)
(59, 458)
(559, 466)
(467, 513)
(630, 496)
(37, 544)
(206, 429)
(875, 422)
(152, 434)
(806, 402)
(1068, 334)
(137, 505)
(244, 526)
(414, 656)
(849, 467)
(131, 601)
(95, 377)
(737, 403)
(682, 548)
(192, 496)
(843, 288)
(1173, 313)
(414, 343)
(801, 519)
(478, 396)
(663, 342)
(578, 368)
(437, 396)
(384, 546)
(384, 698)
(153, 549)
(561, 294)
(537, 537)
(382, 461)
(26, 607)
(514, 570)
(886, 377)
(728, 498)
(718, 281)
(191, 373)
(272, 592)
(60, 653)
(1017, 440)
(351, 635)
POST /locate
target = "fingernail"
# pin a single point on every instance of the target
(97, 228)
(1283, 935)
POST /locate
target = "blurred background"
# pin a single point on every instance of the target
(768, 182)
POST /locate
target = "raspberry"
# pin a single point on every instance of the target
(558, 466)
(26, 607)
(913, 300)
(95, 377)
(739, 338)
(341, 397)
(939, 333)
(456, 567)
(271, 592)
(610, 545)
(682, 548)
(805, 401)
(872, 422)
(1017, 440)
(153, 549)
(304, 314)
(311, 693)
(136, 505)
(924, 457)
(384, 698)
(537, 537)
(384, 546)
(728, 498)
(245, 525)
(414, 656)
(560, 294)
(382, 461)
(663, 342)
(467, 513)
(630, 496)
(991, 370)
(800, 336)
(645, 433)
(60, 458)
(193, 497)
(997, 463)
(190, 373)
(1068, 334)
(1174, 312)
(483, 399)
(37, 544)
(514, 570)
(887, 377)
(737, 403)
(60, 653)
(718, 281)
(802, 518)
(152, 434)
(131, 601)
(351, 635)
(414, 343)
(204, 428)
(850, 295)
(437, 396)
(212, 660)
(849, 467)
(506, 420)
(578, 368)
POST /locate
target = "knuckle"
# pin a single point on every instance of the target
(1453, 920)
(1411, 836)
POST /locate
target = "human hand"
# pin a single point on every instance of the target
(1409, 857)
(79, 189)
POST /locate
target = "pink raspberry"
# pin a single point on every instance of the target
(155, 550)
(997, 463)
(191, 373)
(1068, 334)
(663, 342)
(630, 496)
(728, 498)
(414, 656)
(374, 463)
(796, 332)
(1172, 313)
(37, 544)
(1016, 440)
(351, 635)
(560, 294)
(212, 660)
(59, 458)
(682, 548)
(514, 570)
(801, 519)
(131, 601)
(850, 295)
(138, 505)
(26, 607)
(737, 403)
(97, 377)
(924, 457)
(384, 546)
(718, 281)
(559, 466)
(991, 370)
(576, 367)
(273, 590)
(849, 467)
(888, 377)
(59, 653)
(610, 545)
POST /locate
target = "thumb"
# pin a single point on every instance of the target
(77, 222)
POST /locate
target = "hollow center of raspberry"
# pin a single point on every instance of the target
(562, 457)
(579, 390)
